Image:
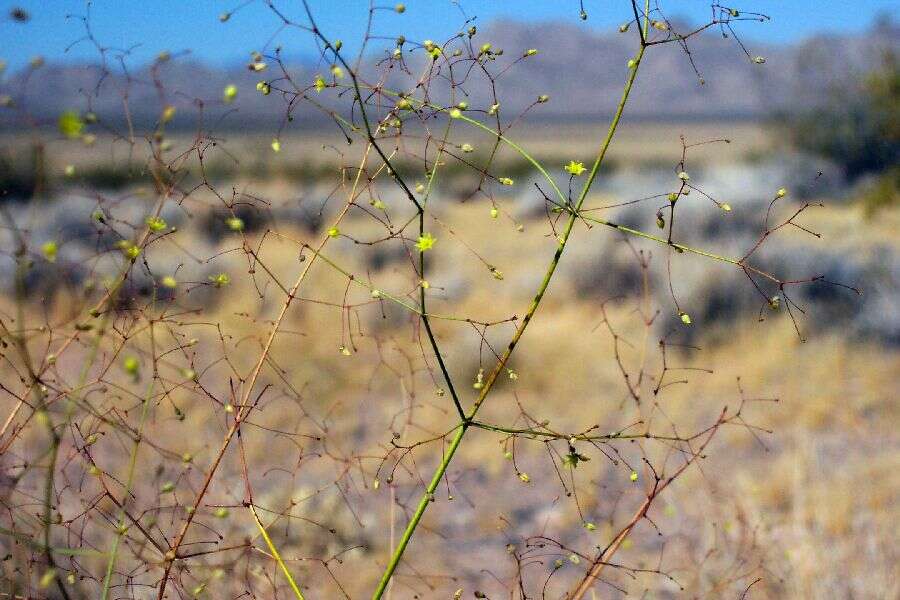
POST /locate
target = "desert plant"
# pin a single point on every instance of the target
(188, 422)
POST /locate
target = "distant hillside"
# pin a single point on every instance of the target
(582, 70)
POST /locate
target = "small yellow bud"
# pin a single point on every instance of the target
(50, 250)
(168, 114)
(229, 93)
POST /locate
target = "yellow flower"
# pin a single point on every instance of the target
(168, 114)
(426, 242)
(230, 93)
(70, 124)
(575, 168)
(50, 249)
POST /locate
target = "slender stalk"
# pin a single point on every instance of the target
(129, 482)
(428, 496)
(297, 593)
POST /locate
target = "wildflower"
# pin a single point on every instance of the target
(426, 242)
(512, 374)
(590, 526)
(258, 66)
(337, 72)
(462, 105)
(276, 145)
(319, 83)
(505, 181)
(344, 350)
(524, 477)
(131, 365)
(685, 318)
(155, 224)
(467, 148)
(220, 280)
(168, 114)
(70, 170)
(634, 476)
(624, 27)
(725, 206)
(265, 89)
(479, 380)
(575, 168)
(775, 302)
(333, 232)
(132, 252)
(50, 250)
(632, 63)
(221, 513)
(485, 48)
(781, 193)
(531, 52)
(167, 487)
(169, 282)
(759, 60)
(494, 108)
(494, 212)
(574, 559)
(455, 113)
(229, 93)
(497, 273)
(70, 124)
(404, 104)
(673, 197)
(684, 176)
(47, 579)
(660, 25)
(235, 223)
(400, 9)
(543, 98)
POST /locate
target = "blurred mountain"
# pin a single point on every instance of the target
(582, 71)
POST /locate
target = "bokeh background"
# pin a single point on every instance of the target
(804, 498)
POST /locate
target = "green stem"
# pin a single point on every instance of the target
(428, 496)
(426, 499)
(275, 554)
(129, 482)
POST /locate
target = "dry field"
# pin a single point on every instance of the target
(801, 494)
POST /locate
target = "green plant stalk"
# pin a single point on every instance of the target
(297, 593)
(129, 482)
(428, 496)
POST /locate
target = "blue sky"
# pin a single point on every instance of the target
(175, 25)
